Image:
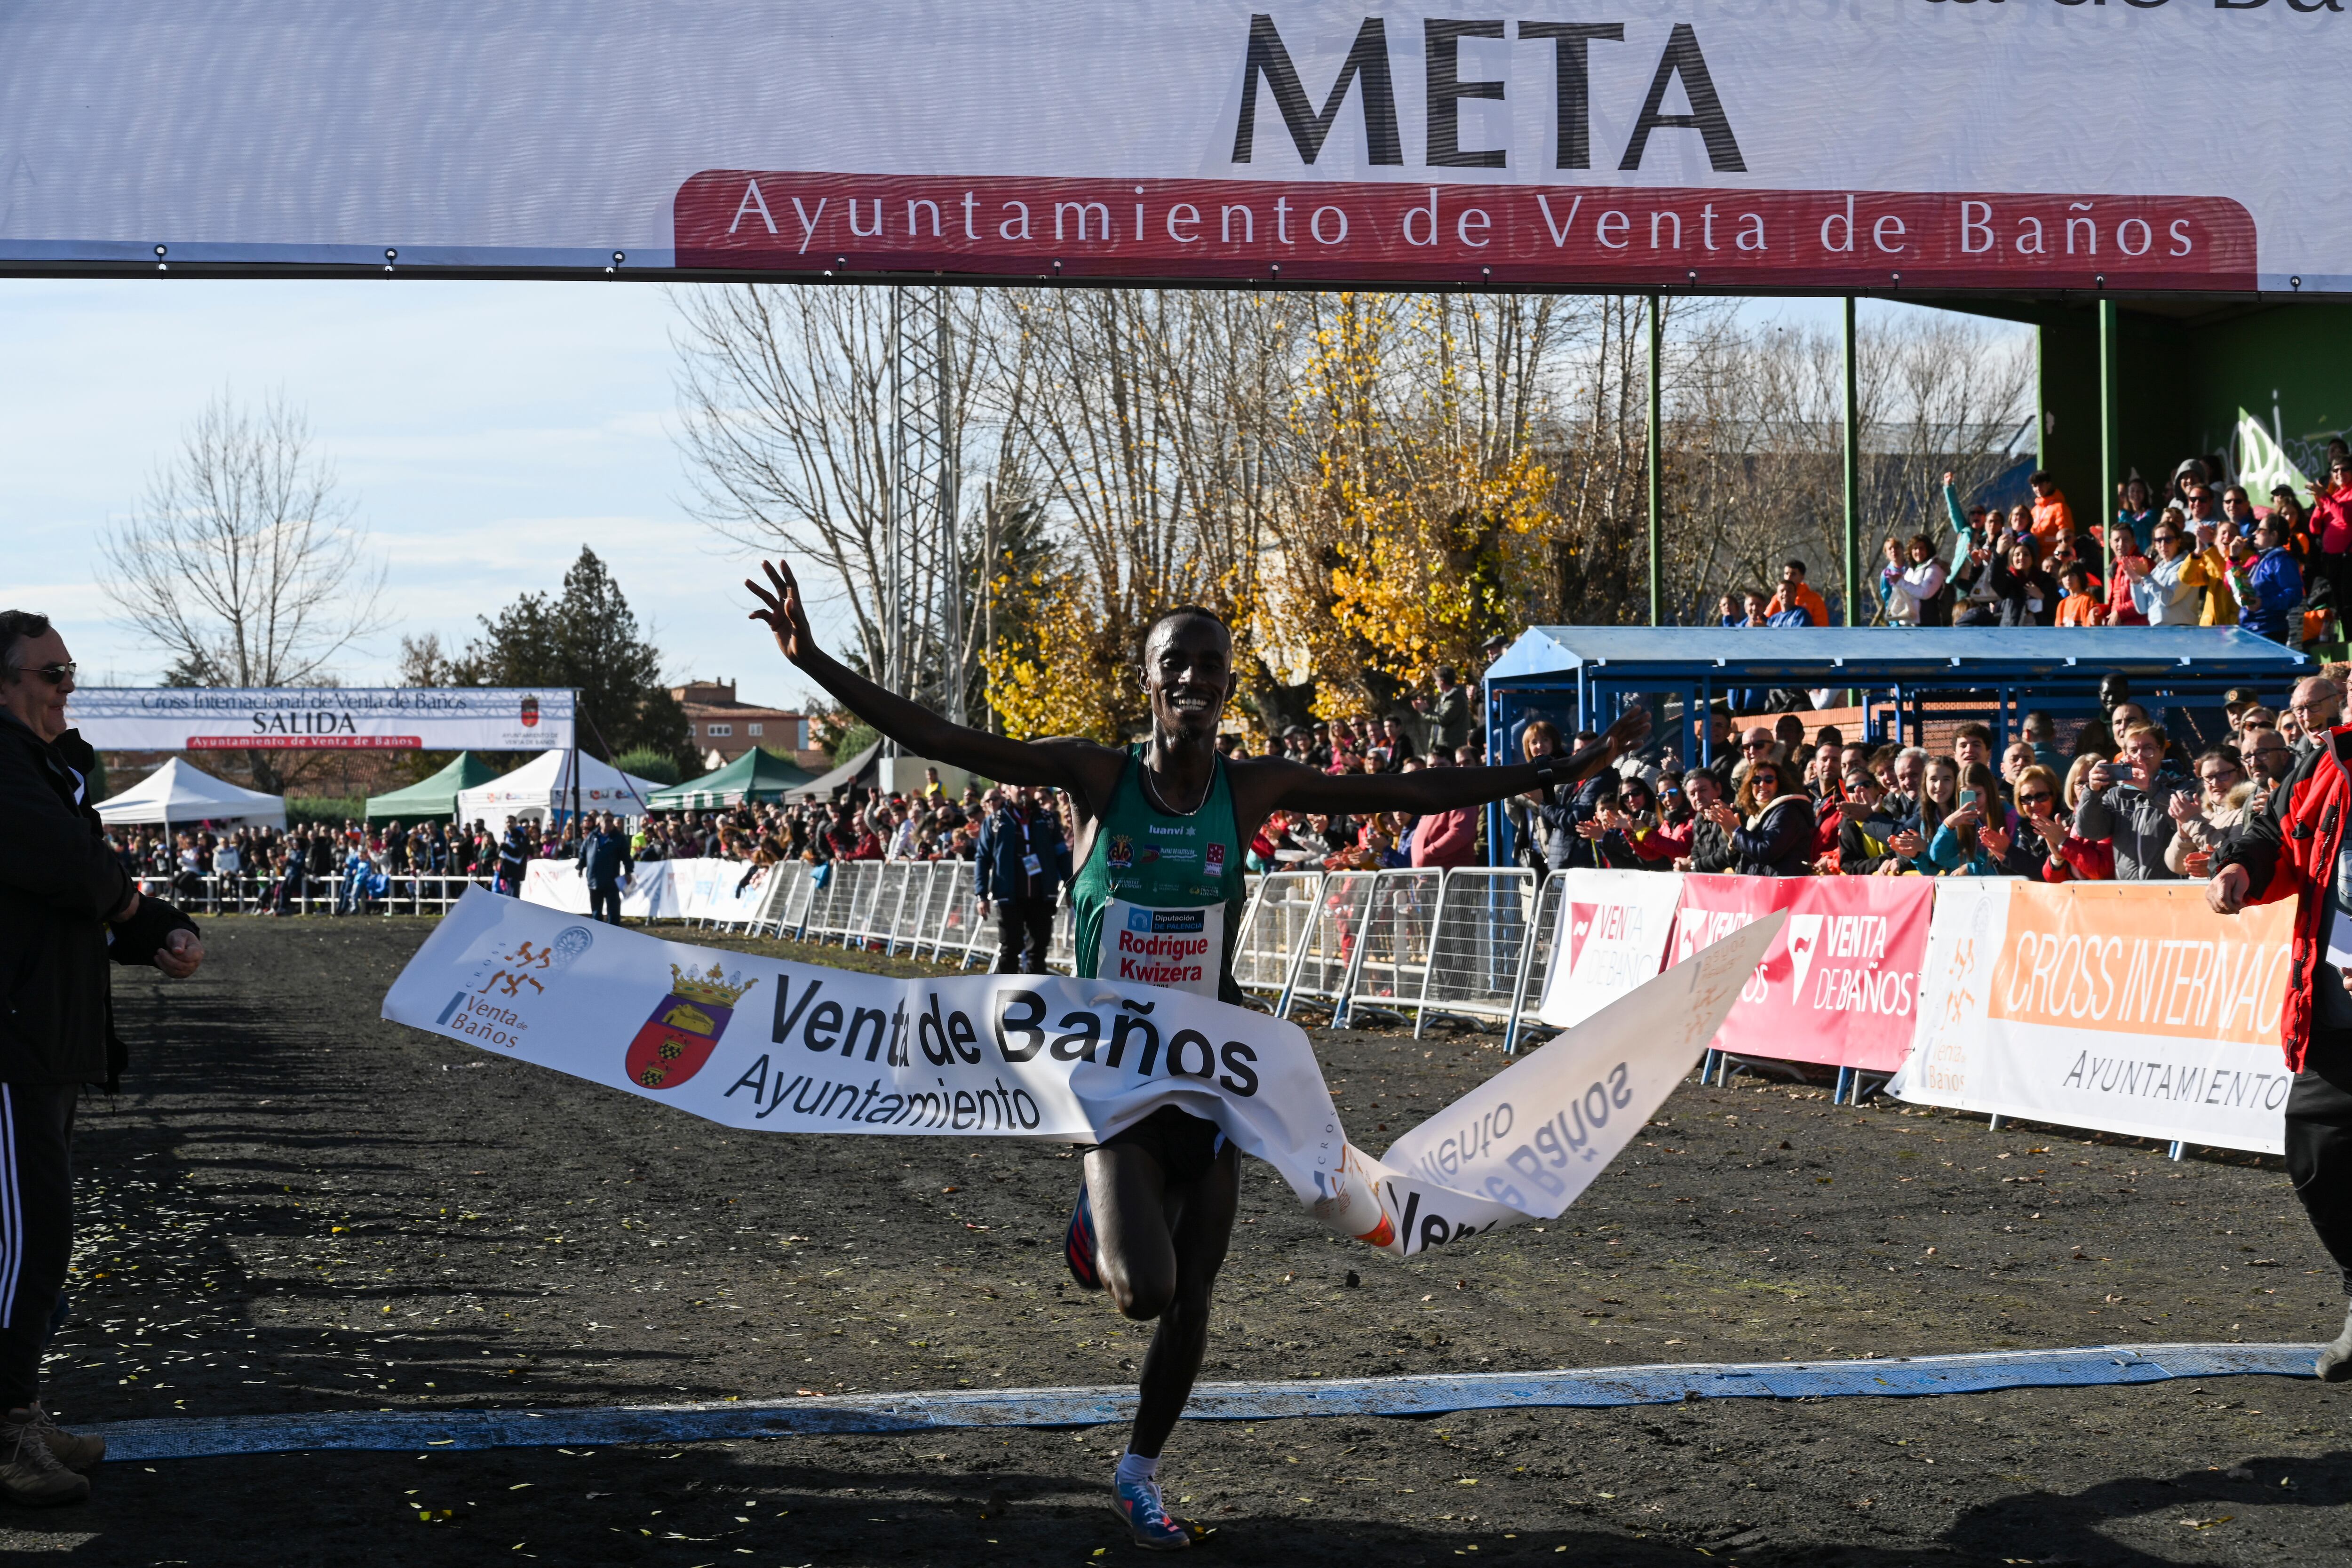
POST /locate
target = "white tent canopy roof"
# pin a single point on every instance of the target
(543, 785)
(180, 792)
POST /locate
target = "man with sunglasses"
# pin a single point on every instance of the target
(67, 905)
(2318, 705)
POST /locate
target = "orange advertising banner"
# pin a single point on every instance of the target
(2142, 958)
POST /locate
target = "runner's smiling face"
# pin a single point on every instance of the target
(1188, 674)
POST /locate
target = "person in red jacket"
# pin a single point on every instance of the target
(2295, 849)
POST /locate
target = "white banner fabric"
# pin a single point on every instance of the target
(1656, 142)
(321, 718)
(2118, 1007)
(658, 890)
(1612, 938)
(1039, 1057)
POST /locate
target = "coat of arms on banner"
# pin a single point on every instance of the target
(685, 1026)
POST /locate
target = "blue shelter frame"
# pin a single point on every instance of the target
(1582, 678)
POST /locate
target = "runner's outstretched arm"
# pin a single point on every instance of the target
(1295, 786)
(1068, 763)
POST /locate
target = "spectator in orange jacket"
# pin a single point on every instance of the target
(1795, 594)
(2079, 607)
(2053, 519)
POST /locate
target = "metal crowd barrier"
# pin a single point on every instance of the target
(248, 892)
(1391, 958)
(1330, 942)
(1270, 938)
(1469, 943)
(1477, 942)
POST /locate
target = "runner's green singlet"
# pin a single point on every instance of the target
(1160, 895)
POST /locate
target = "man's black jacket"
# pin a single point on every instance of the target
(58, 882)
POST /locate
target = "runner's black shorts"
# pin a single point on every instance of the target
(1185, 1145)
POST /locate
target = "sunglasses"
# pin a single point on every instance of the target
(55, 674)
(2035, 796)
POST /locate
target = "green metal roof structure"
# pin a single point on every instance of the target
(435, 796)
(757, 774)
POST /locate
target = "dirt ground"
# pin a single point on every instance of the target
(295, 1206)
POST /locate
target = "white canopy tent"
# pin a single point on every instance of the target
(543, 787)
(179, 792)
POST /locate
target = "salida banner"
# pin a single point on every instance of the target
(322, 718)
(2120, 1006)
(1841, 986)
(768, 1046)
(1644, 143)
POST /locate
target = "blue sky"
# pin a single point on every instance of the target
(484, 431)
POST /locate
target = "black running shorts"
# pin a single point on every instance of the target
(1185, 1145)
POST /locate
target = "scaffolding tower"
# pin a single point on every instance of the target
(925, 636)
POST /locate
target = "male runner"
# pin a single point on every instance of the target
(1162, 826)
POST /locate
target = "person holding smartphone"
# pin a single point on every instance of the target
(2129, 803)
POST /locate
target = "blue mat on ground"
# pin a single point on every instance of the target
(191, 1438)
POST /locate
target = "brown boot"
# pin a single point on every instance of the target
(74, 1450)
(30, 1474)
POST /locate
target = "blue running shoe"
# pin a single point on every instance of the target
(1137, 1502)
(1078, 1243)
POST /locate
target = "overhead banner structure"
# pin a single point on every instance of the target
(2124, 1006)
(321, 718)
(768, 1046)
(1649, 142)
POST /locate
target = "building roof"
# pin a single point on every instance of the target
(1846, 656)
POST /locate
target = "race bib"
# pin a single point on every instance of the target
(1181, 949)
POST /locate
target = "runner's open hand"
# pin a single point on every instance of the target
(1627, 732)
(785, 614)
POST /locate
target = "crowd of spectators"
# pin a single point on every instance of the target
(2122, 800)
(2206, 553)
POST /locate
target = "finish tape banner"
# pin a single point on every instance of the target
(767, 1046)
(322, 718)
(1841, 986)
(1646, 144)
(2121, 1007)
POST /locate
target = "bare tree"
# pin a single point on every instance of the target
(790, 427)
(242, 564)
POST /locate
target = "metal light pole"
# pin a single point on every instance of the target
(1853, 443)
(1656, 453)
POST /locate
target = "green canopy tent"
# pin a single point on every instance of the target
(755, 776)
(435, 796)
